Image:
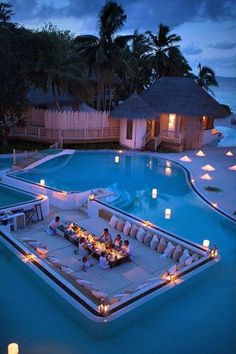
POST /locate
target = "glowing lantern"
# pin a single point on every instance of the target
(91, 196)
(154, 193)
(168, 171)
(168, 164)
(104, 309)
(229, 153)
(172, 278)
(192, 180)
(185, 159)
(200, 153)
(215, 205)
(167, 213)
(117, 159)
(206, 243)
(208, 168)
(206, 176)
(232, 168)
(42, 182)
(13, 348)
(120, 151)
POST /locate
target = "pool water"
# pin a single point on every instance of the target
(197, 316)
(5, 162)
(10, 197)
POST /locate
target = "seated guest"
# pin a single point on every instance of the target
(52, 226)
(103, 262)
(85, 263)
(117, 243)
(105, 237)
(83, 251)
(127, 249)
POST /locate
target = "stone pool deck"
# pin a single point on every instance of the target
(222, 177)
(121, 279)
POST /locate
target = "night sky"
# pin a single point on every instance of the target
(207, 27)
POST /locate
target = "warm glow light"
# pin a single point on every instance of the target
(172, 278)
(30, 257)
(213, 252)
(147, 223)
(215, 205)
(42, 182)
(229, 153)
(117, 159)
(91, 196)
(206, 176)
(154, 193)
(208, 168)
(168, 171)
(171, 122)
(168, 164)
(192, 180)
(13, 348)
(232, 168)
(206, 243)
(167, 213)
(185, 158)
(104, 309)
(120, 151)
(200, 153)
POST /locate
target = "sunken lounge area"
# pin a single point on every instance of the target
(161, 260)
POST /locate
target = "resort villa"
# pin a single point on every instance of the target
(174, 113)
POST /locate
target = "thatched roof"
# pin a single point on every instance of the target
(40, 99)
(132, 108)
(181, 95)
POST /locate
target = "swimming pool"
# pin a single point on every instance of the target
(11, 197)
(199, 315)
(5, 162)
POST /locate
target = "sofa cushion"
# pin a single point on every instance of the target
(195, 257)
(189, 261)
(113, 221)
(127, 228)
(154, 242)
(120, 225)
(147, 238)
(140, 235)
(169, 249)
(177, 253)
(185, 255)
(162, 245)
(172, 269)
(133, 231)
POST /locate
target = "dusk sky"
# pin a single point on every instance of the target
(207, 27)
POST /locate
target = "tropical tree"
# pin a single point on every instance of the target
(55, 68)
(14, 63)
(104, 54)
(205, 77)
(162, 46)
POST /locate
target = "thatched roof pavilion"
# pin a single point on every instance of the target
(133, 108)
(181, 95)
(45, 100)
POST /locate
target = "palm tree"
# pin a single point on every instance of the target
(161, 45)
(104, 55)
(205, 77)
(55, 69)
(5, 12)
(137, 55)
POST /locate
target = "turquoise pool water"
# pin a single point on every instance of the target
(196, 317)
(10, 197)
(5, 162)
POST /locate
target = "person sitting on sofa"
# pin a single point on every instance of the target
(127, 249)
(117, 242)
(105, 237)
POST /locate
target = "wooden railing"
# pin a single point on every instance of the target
(147, 137)
(76, 134)
(172, 136)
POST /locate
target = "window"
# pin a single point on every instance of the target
(171, 122)
(204, 122)
(129, 129)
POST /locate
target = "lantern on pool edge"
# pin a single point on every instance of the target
(117, 159)
(13, 348)
(167, 213)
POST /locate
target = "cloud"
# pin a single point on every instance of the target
(142, 14)
(192, 49)
(223, 45)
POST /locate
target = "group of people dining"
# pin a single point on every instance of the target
(105, 238)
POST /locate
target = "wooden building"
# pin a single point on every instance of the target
(174, 112)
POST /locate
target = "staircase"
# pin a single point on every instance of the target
(151, 143)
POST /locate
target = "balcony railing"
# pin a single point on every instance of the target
(171, 136)
(56, 134)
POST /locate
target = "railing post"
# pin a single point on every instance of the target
(14, 156)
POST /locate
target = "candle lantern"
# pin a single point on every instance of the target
(13, 348)
(167, 213)
(154, 193)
